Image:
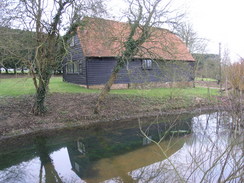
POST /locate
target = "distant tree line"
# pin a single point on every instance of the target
(208, 65)
(17, 51)
(16, 47)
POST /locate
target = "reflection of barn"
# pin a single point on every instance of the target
(114, 154)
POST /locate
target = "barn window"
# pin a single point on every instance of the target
(69, 67)
(81, 67)
(73, 67)
(81, 147)
(147, 64)
(146, 140)
(77, 167)
(72, 41)
(76, 67)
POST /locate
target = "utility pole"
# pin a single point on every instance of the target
(220, 70)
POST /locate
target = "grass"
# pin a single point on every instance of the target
(24, 86)
(169, 92)
(16, 87)
(205, 79)
(57, 85)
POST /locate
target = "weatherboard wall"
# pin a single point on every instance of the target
(75, 55)
(100, 69)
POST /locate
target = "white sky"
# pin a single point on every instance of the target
(215, 20)
(219, 21)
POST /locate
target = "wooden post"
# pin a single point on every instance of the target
(220, 70)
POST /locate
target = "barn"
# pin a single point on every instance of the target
(97, 44)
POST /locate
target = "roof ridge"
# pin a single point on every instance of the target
(107, 41)
(116, 21)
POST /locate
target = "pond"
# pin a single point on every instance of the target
(184, 148)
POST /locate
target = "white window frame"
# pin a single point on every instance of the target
(77, 64)
(146, 141)
(72, 41)
(69, 68)
(81, 67)
(81, 147)
(147, 64)
(72, 65)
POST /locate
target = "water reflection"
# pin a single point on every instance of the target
(119, 166)
(107, 156)
(210, 153)
(51, 174)
(20, 173)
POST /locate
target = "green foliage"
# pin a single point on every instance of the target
(16, 47)
(208, 65)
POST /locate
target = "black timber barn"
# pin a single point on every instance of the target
(98, 42)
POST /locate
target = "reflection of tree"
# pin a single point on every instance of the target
(220, 153)
(13, 174)
(51, 175)
(214, 154)
(15, 165)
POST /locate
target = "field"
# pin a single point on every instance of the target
(24, 86)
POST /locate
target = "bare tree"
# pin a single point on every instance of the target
(234, 78)
(143, 16)
(225, 65)
(46, 19)
(189, 36)
(194, 43)
(235, 74)
(3, 20)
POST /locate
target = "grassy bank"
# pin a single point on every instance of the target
(67, 107)
(24, 86)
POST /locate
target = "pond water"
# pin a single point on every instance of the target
(184, 148)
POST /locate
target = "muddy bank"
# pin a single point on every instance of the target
(70, 110)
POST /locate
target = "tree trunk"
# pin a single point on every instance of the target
(41, 92)
(51, 175)
(39, 106)
(195, 69)
(22, 69)
(131, 49)
(105, 91)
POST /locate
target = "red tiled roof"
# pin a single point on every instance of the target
(105, 38)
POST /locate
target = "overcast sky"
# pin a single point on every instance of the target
(216, 20)
(219, 21)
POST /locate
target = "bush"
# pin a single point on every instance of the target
(235, 75)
